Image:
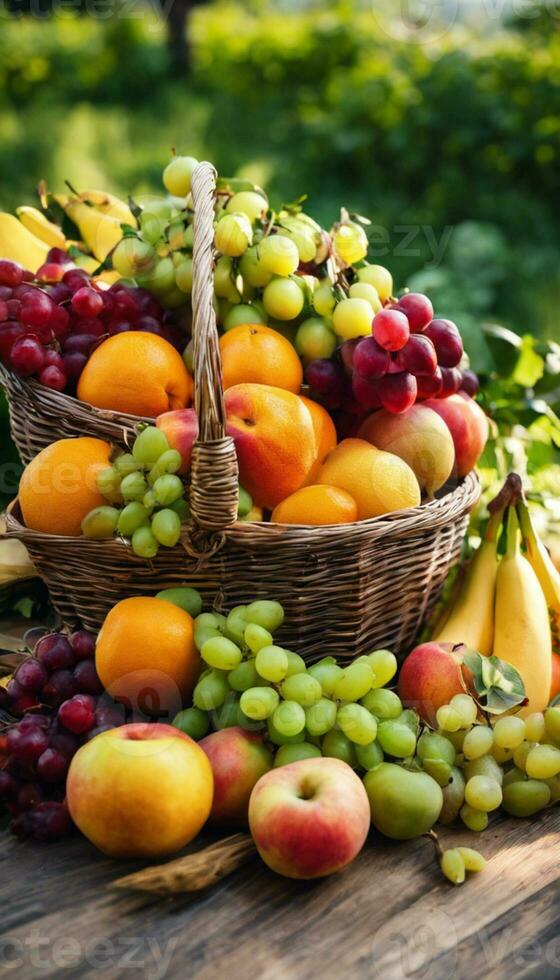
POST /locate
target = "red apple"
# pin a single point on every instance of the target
(309, 818)
(431, 675)
(468, 426)
(141, 790)
(181, 429)
(238, 759)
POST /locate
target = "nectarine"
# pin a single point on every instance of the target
(238, 758)
(468, 426)
(430, 676)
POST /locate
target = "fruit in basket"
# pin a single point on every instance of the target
(325, 436)
(468, 426)
(404, 804)
(378, 481)
(140, 790)
(274, 439)
(146, 655)
(238, 759)
(59, 486)
(431, 675)
(315, 505)
(137, 373)
(310, 818)
(257, 354)
(419, 437)
(522, 630)
(181, 428)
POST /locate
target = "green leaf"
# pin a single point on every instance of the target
(498, 685)
(234, 184)
(530, 366)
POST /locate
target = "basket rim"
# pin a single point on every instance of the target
(428, 516)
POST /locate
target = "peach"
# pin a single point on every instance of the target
(309, 818)
(141, 790)
(420, 437)
(468, 426)
(181, 429)
(238, 759)
(274, 438)
(431, 675)
(325, 436)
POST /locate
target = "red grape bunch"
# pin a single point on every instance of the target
(409, 356)
(56, 696)
(51, 321)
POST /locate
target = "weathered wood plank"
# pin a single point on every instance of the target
(390, 915)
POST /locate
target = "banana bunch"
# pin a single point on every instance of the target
(19, 243)
(98, 217)
(509, 607)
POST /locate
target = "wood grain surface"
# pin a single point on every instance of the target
(390, 915)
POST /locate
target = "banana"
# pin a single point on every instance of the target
(41, 227)
(522, 631)
(471, 619)
(18, 244)
(109, 204)
(99, 231)
(545, 570)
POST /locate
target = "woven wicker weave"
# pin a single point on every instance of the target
(346, 588)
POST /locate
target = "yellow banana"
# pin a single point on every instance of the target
(20, 245)
(41, 227)
(545, 570)
(471, 619)
(99, 231)
(109, 204)
(522, 631)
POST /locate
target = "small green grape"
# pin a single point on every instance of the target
(256, 637)
(101, 522)
(474, 819)
(244, 676)
(354, 683)
(296, 664)
(357, 723)
(453, 866)
(328, 673)
(221, 653)
(509, 732)
(485, 765)
(383, 703)
(184, 597)
(259, 703)
(336, 745)
(266, 613)
(294, 753)
(125, 464)
(167, 489)
(369, 756)
(109, 484)
(448, 719)
(478, 741)
(384, 665)
(144, 543)
(320, 717)
(236, 623)
(289, 718)
(302, 688)
(131, 517)
(483, 793)
(149, 446)
(133, 487)
(169, 462)
(524, 798)
(272, 663)
(211, 691)
(466, 707)
(396, 739)
(193, 722)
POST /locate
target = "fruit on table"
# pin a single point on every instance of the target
(19, 244)
(419, 437)
(146, 653)
(255, 353)
(431, 675)
(181, 428)
(238, 758)
(318, 504)
(470, 620)
(58, 487)
(310, 818)
(404, 804)
(274, 439)
(378, 481)
(522, 630)
(140, 790)
(137, 373)
(468, 426)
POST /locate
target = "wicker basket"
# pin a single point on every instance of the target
(346, 588)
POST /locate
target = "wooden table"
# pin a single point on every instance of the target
(390, 915)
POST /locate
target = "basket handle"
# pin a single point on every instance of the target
(214, 490)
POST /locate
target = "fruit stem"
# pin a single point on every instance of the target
(512, 534)
(437, 846)
(527, 528)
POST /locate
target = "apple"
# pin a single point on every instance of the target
(404, 804)
(141, 790)
(431, 675)
(468, 426)
(181, 429)
(309, 818)
(238, 758)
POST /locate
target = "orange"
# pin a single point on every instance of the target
(138, 373)
(378, 481)
(59, 487)
(255, 353)
(274, 439)
(145, 654)
(317, 504)
(325, 435)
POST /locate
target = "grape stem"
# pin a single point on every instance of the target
(437, 846)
